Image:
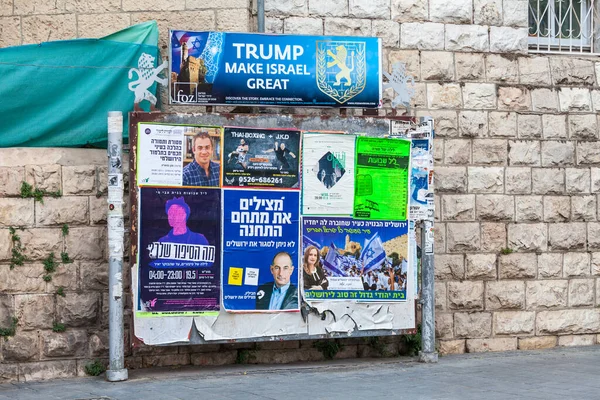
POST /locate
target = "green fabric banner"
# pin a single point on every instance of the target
(58, 94)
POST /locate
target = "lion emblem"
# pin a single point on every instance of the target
(146, 76)
(339, 60)
(341, 68)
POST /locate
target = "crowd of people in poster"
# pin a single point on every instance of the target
(259, 220)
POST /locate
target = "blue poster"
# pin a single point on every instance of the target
(260, 250)
(275, 70)
(179, 251)
(347, 259)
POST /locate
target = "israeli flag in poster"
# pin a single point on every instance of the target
(373, 253)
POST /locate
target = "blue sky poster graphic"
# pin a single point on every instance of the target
(347, 259)
(179, 251)
(260, 250)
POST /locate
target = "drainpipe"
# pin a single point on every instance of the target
(260, 9)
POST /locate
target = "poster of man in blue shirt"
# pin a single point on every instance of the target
(279, 294)
(202, 171)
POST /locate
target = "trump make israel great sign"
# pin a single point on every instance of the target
(274, 70)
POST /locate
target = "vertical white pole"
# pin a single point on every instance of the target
(116, 371)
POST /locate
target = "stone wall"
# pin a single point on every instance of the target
(517, 175)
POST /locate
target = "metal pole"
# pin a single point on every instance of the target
(260, 11)
(116, 371)
(428, 353)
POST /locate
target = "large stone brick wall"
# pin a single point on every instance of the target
(517, 177)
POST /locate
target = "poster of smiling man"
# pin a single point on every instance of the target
(179, 251)
(260, 250)
(346, 259)
(261, 157)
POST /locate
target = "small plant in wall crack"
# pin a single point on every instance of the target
(58, 327)
(17, 257)
(10, 331)
(61, 291)
(329, 348)
(506, 250)
(65, 229)
(50, 265)
(28, 191)
(64, 258)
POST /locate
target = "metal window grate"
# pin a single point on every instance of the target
(562, 26)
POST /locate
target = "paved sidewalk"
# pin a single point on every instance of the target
(565, 373)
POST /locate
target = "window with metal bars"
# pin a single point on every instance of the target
(562, 26)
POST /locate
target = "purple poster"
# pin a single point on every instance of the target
(180, 250)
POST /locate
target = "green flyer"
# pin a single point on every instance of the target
(381, 187)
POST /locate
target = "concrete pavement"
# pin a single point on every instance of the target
(563, 373)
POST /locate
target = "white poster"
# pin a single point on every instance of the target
(328, 174)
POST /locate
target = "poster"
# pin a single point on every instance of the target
(274, 70)
(346, 259)
(260, 250)
(178, 155)
(381, 183)
(328, 174)
(179, 251)
(261, 157)
(421, 202)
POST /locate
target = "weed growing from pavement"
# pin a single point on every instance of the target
(411, 343)
(329, 348)
(243, 356)
(94, 368)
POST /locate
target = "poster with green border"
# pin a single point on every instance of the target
(381, 184)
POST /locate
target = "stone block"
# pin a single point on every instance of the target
(11, 179)
(302, 26)
(518, 180)
(588, 153)
(452, 347)
(529, 126)
(94, 275)
(537, 343)
(493, 236)
(459, 11)
(98, 344)
(157, 5)
(65, 344)
(458, 207)
(544, 100)
(99, 25)
(503, 124)
(491, 345)
(583, 126)
(577, 180)
(495, 207)
(65, 276)
(502, 68)
(547, 180)
(574, 99)
(481, 266)
(443, 95)
(581, 321)
(473, 123)
(34, 311)
(410, 11)
(239, 21)
(490, 151)
(451, 179)
(593, 235)
(472, 325)
(469, 67)
(514, 98)
(557, 208)
(554, 126)
(457, 151)
(487, 12)
(438, 151)
(220, 358)
(567, 236)
(517, 265)
(16, 212)
(441, 294)
(515, 13)
(550, 265)
(446, 122)
(449, 266)
(45, 28)
(91, 6)
(388, 31)
(581, 292)
(422, 36)
(528, 237)
(11, 31)
(7, 311)
(9, 372)
(48, 370)
(22, 347)
(505, 295)
(87, 243)
(444, 326)
(64, 210)
(524, 152)
(439, 233)
(486, 179)
(572, 71)
(23, 279)
(467, 38)
(465, 295)
(534, 70)
(370, 9)
(514, 322)
(463, 237)
(528, 208)
(576, 264)
(437, 66)
(98, 209)
(546, 294)
(347, 27)
(78, 180)
(576, 340)
(410, 58)
(508, 40)
(77, 310)
(286, 7)
(583, 208)
(5, 244)
(479, 96)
